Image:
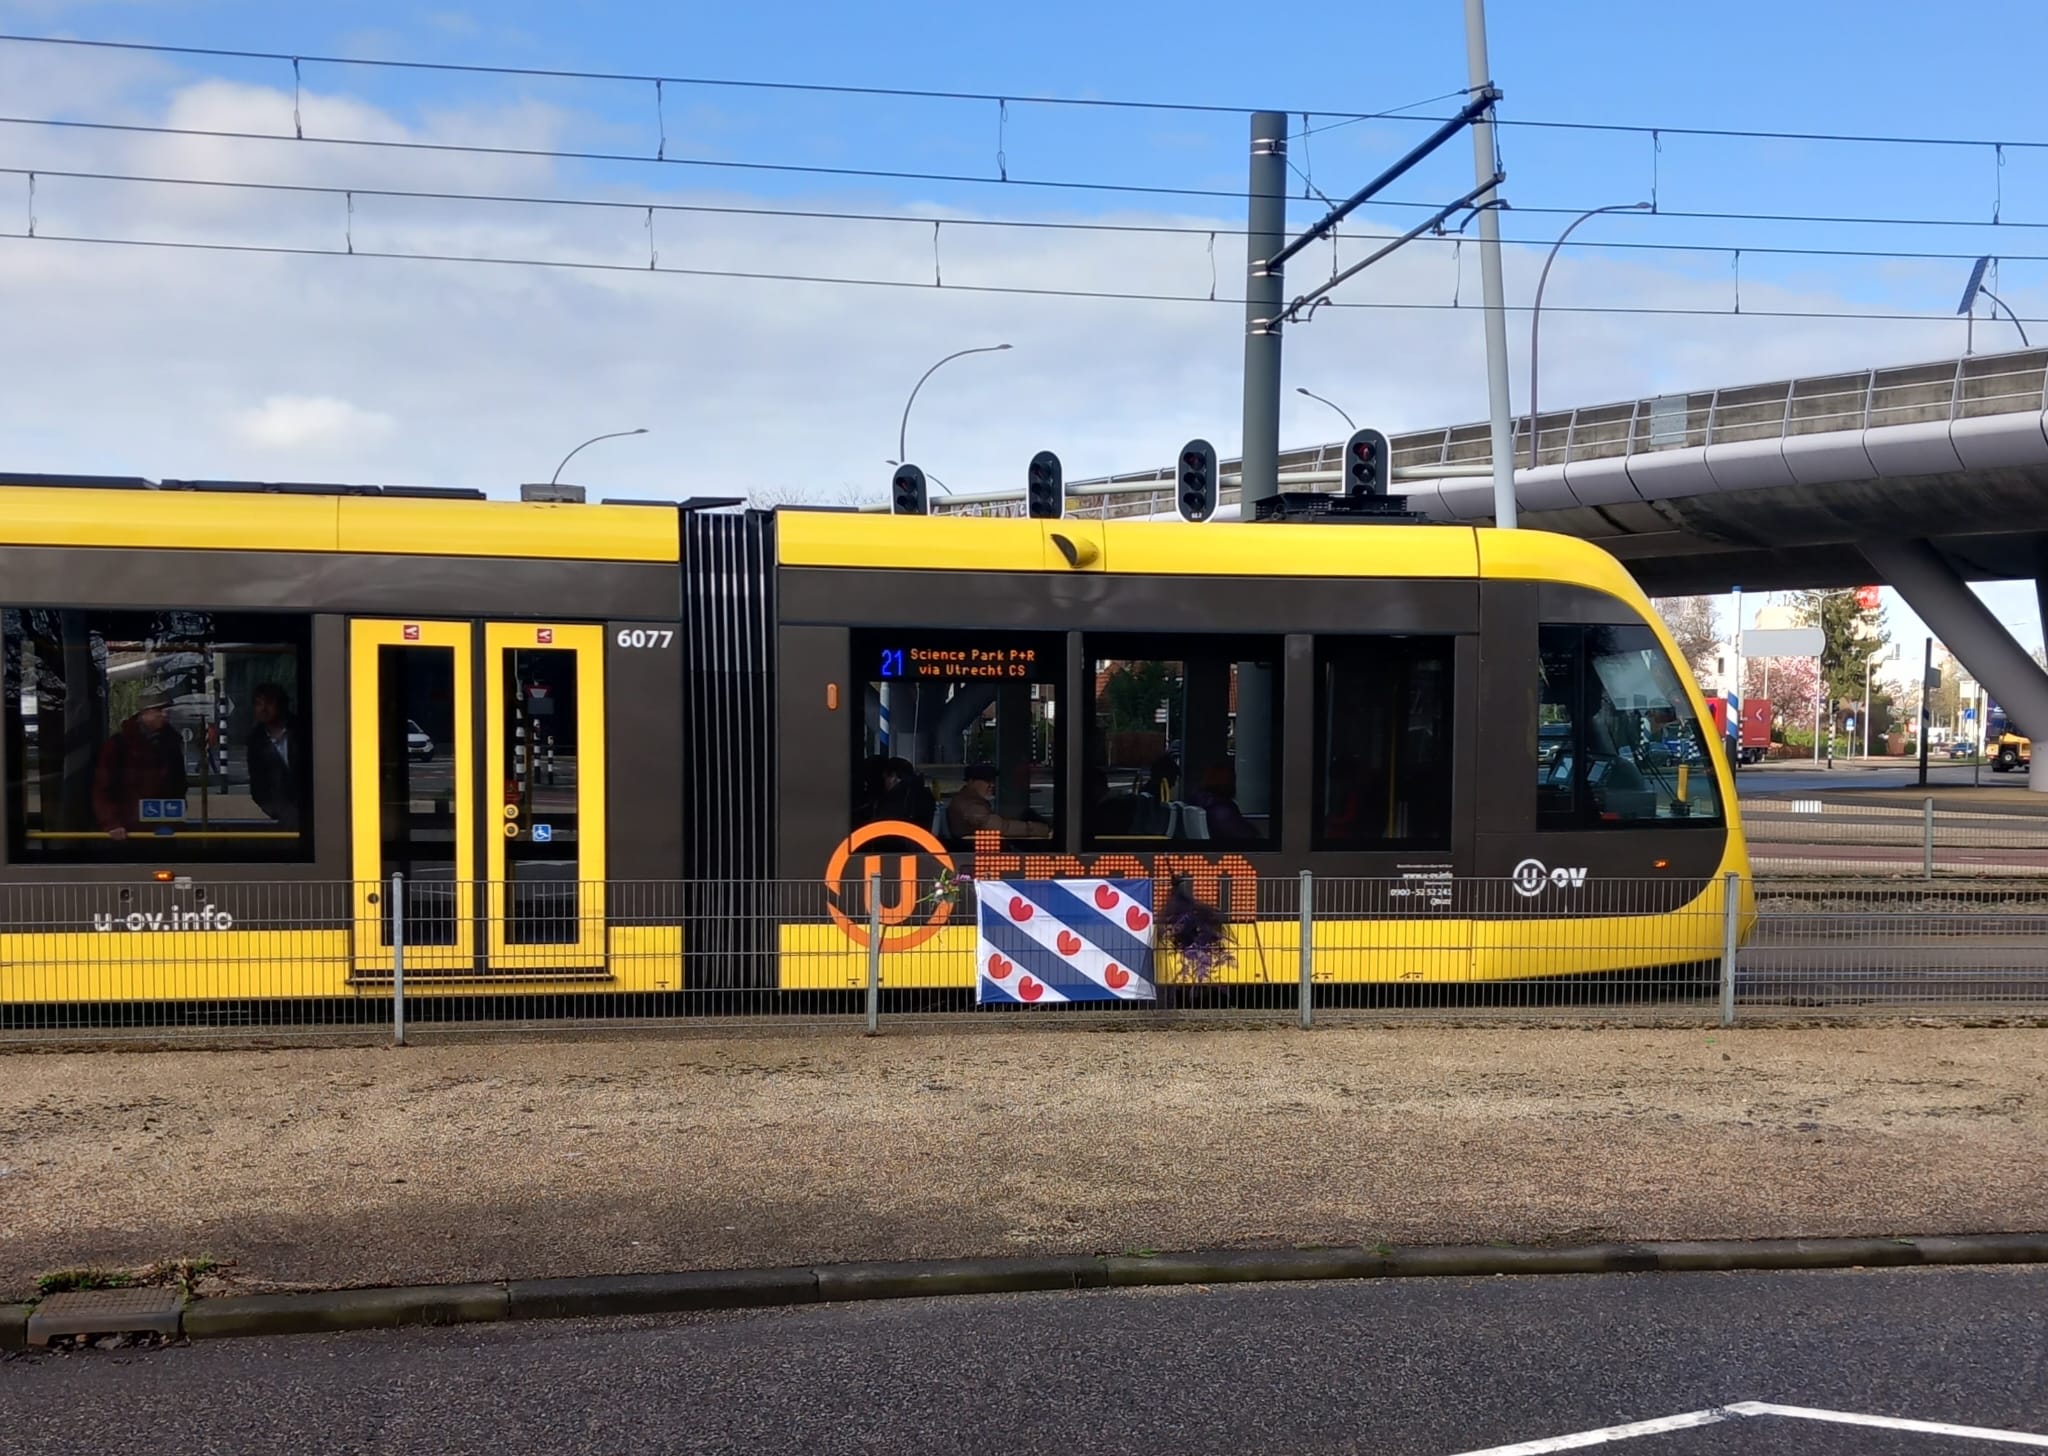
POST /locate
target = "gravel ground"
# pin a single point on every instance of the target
(342, 1166)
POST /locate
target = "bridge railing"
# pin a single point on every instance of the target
(1947, 390)
(1942, 393)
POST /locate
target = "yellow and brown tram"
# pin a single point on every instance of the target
(592, 740)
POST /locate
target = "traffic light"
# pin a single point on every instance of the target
(1196, 496)
(1045, 496)
(1367, 466)
(906, 492)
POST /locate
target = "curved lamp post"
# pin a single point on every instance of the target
(1536, 313)
(1348, 422)
(614, 435)
(905, 426)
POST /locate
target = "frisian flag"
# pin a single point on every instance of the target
(1043, 942)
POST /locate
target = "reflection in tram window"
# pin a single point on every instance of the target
(1383, 742)
(1557, 711)
(1183, 741)
(540, 796)
(156, 737)
(958, 733)
(416, 824)
(1618, 742)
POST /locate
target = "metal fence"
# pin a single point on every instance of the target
(1814, 836)
(193, 960)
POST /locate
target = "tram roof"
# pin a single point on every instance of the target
(129, 511)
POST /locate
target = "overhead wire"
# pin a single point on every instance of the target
(1020, 290)
(926, 219)
(954, 178)
(935, 94)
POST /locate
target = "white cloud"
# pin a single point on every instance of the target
(789, 387)
(311, 423)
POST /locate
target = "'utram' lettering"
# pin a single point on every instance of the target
(1207, 875)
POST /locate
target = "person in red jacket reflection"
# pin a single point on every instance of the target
(145, 760)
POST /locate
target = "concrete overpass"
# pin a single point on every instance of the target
(1921, 476)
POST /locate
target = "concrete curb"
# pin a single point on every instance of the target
(345, 1309)
(714, 1289)
(14, 1326)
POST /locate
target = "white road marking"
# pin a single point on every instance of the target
(1751, 1409)
(1605, 1434)
(1889, 1423)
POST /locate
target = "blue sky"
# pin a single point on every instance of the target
(1818, 65)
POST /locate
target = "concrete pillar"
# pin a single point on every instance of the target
(1206, 739)
(1013, 747)
(1965, 625)
(2041, 581)
(1255, 774)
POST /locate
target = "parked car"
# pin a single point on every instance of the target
(417, 744)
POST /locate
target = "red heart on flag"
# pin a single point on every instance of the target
(1029, 989)
(1068, 942)
(1000, 968)
(1106, 897)
(1116, 977)
(1137, 919)
(1020, 909)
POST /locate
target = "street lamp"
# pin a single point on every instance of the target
(1969, 304)
(615, 435)
(1536, 313)
(1348, 424)
(905, 426)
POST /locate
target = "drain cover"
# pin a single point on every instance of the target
(106, 1312)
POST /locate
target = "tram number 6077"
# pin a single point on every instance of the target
(646, 636)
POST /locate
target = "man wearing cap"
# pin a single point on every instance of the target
(145, 760)
(973, 808)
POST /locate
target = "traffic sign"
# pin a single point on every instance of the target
(1783, 642)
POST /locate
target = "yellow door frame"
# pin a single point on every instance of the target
(366, 790)
(588, 951)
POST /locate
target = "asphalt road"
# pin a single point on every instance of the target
(1785, 857)
(1389, 1367)
(1903, 775)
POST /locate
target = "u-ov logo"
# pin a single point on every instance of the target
(846, 879)
(1532, 877)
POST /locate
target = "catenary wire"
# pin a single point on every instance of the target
(922, 94)
(1108, 295)
(642, 204)
(957, 178)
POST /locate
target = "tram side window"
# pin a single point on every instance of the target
(1617, 740)
(1557, 710)
(1384, 742)
(1184, 743)
(958, 733)
(156, 736)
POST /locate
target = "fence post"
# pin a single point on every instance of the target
(1927, 839)
(397, 959)
(1731, 929)
(1308, 926)
(874, 953)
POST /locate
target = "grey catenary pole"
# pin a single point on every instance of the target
(1479, 74)
(1266, 235)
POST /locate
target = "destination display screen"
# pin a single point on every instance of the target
(1016, 663)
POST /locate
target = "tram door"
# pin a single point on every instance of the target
(477, 768)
